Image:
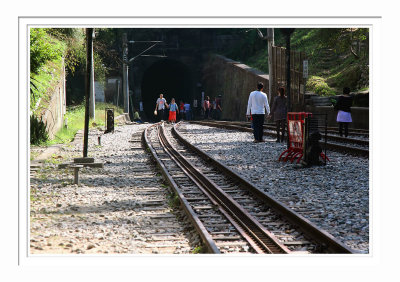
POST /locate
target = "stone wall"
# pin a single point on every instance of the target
(53, 115)
(233, 81)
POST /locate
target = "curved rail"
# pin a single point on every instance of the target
(330, 244)
(255, 231)
(205, 236)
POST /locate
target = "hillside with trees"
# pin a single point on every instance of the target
(337, 57)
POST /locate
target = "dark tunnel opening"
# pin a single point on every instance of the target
(169, 77)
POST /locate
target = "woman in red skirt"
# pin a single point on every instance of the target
(173, 109)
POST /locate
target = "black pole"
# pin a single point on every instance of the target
(89, 44)
(288, 73)
(287, 32)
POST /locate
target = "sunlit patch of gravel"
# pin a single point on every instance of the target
(335, 197)
(121, 208)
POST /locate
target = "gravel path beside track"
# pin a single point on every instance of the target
(122, 208)
(335, 197)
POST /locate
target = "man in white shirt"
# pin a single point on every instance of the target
(161, 103)
(256, 107)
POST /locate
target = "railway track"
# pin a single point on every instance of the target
(353, 146)
(230, 214)
(330, 130)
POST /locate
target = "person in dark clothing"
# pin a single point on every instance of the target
(343, 106)
(207, 108)
(181, 110)
(218, 107)
(279, 112)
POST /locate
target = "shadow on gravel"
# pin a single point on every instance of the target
(107, 207)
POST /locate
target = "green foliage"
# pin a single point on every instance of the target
(75, 117)
(249, 45)
(318, 85)
(343, 39)
(42, 85)
(173, 201)
(338, 56)
(46, 53)
(38, 131)
(43, 48)
(199, 250)
(260, 61)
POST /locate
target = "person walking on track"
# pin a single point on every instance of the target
(258, 106)
(188, 113)
(173, 109)
(207, 108)
(343, 106)
(161, 105)
(181, 109)
(279, 113)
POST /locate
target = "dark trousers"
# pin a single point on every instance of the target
(160, 114)
(346, 128)
(188, 115)
(280, 128)
(258, 122)
(207, 114)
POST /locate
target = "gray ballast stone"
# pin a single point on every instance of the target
(109, 211)
(335, 197)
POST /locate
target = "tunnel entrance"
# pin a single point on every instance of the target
(169, 77)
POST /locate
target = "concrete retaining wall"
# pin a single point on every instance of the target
(234, 81)
(53, 116)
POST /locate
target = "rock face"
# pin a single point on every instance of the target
(122, 208)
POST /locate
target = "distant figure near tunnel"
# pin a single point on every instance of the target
(172, 111)
(170, 77)
(188, 112)
(161, 103)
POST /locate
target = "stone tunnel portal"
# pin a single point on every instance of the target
(169, 77)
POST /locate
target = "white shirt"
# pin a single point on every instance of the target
(161, 103)
(258, 102)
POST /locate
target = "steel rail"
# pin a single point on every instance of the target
(331, 146)
(245, 235)
(329, 243)
(330, 137)
(262, 237)
(330, 129)
(202, 231)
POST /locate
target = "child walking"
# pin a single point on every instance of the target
(173, 109)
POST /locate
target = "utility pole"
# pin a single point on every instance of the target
(126, 62)
(270, 37)
(92, 89)
(89, 51)
(288, 32)
(125, 87)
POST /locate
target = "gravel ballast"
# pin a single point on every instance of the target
(119, 209)
(335, 197)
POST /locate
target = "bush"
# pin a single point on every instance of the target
(39, 133)
(43, 48)
(319, 86)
